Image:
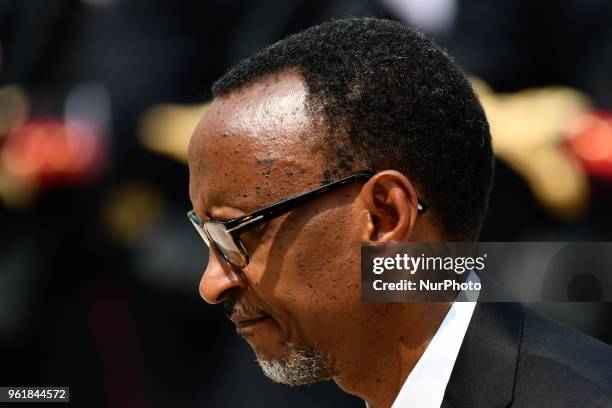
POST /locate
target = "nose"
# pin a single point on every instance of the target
(220, 279)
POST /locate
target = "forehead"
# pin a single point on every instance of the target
(254, 144)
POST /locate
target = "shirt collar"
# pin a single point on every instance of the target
(426, 383)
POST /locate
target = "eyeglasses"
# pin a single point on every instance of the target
(225, 235)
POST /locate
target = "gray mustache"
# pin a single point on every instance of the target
(232, 307)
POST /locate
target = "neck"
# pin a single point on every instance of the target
(375, 366)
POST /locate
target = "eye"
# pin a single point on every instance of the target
(258, 231)
(254, 236)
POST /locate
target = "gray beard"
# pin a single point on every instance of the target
(302, 365)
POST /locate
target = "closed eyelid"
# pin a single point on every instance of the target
(202, 216)
(217, 213)
(224, 213)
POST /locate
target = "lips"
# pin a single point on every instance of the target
(245, 315)
(243, 323)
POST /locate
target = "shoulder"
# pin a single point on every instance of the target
(513, 356)
(558, 363)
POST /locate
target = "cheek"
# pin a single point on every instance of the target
(319, 283)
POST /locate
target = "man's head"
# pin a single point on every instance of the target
(345, 96)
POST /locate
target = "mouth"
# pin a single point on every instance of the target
(246, 316)
(258, 327)
(243, 323)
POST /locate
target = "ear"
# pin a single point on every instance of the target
(391, 202)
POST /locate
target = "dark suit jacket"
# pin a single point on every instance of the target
(514, 357)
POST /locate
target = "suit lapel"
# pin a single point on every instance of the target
(484, 373)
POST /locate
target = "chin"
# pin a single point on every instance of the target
(298, 365)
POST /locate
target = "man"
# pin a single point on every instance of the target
(385, 135)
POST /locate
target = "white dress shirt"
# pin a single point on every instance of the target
(426, 383)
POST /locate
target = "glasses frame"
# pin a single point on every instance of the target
(239, 225)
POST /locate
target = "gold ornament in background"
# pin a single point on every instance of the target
(528, 128)
(166, 129)
(14, 108)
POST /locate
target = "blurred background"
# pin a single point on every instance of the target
(99, 267)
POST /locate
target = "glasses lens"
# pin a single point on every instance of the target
(198, 226)
(232, 250)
